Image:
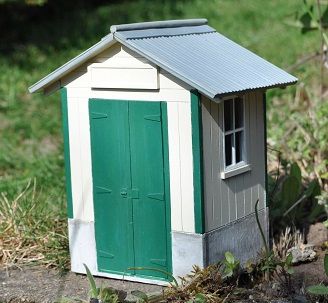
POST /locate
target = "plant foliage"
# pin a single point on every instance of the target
(290, 201)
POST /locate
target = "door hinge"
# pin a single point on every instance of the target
(156, 118)
(95, 115)
(156, 196)
(102, 190)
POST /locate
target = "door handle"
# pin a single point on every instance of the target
(124, 193)
(133, 192)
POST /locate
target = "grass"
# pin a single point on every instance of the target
(32, 231)
(31, 140)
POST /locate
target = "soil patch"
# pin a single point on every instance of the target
(40, 285)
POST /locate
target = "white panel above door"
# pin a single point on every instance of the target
(124, 77)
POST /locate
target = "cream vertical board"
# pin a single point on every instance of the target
(186, 164)
(174, 158)
(75, 158)
(87, 187)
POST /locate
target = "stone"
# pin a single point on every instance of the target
(299, 299)
(302, 253)
(317, 234)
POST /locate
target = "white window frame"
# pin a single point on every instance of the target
(242, 166)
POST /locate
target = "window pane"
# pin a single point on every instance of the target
(228, 112)
(239, 112)
(228, 149)
(240, 146)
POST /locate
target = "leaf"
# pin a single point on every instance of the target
(200, 298)
(229, 257)
(313, 187)
(140, 294)
(315, 213)
(306, 20)
(324, 18)
(94, 290)
(324, 175)
(228, 272)
(290, 191)
(289, 259)
(325, 262)
(108, 295)
(268, 267)
(155, 298)
(295, 171)
(318, 289)
(250, 266)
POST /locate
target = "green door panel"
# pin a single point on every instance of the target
(111, 178)
(130, 185)
(147, 175)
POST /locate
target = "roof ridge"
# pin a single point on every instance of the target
(173, 35)
(157, 24)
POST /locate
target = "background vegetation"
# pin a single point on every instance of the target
(37, 36)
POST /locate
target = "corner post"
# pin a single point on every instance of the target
(197, 151)
(65, 128)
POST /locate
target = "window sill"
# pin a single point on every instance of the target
(235, 171)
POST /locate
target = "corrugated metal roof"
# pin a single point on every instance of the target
(192, 51)
(206, 60)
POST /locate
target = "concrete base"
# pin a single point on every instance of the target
(187, 250)
(82, 245)
(242, 238)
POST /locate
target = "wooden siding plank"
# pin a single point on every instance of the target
(248, 177)
(230, 182)
(224, 184)
(86, 165)
(255, 191)
(174, 155)
(215, 154)
(265, 149)
(75, 156)
(186, 167)
(240, 196)
(261, 149)
(207, 163)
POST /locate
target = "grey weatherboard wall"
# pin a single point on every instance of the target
(227, 200)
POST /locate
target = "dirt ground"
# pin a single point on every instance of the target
(311, 273)
(39, 285)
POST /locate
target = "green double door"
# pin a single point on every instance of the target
(130, 188)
